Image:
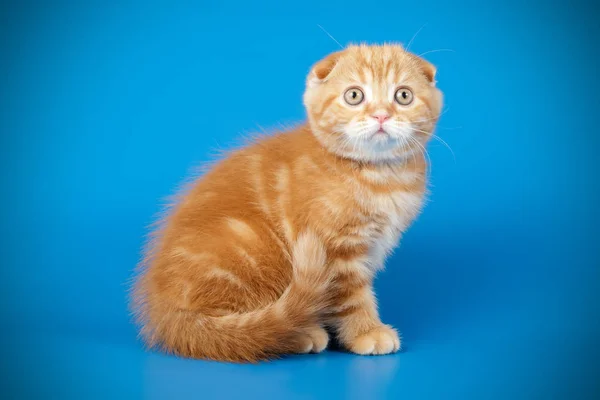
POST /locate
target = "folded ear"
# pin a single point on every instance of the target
(321, 70)
(427, 69)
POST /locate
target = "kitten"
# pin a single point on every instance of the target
(283, 237)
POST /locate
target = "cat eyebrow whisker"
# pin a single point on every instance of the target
(437, 51)
(329, 34)
(414, 36)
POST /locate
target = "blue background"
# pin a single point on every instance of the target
(105, 108)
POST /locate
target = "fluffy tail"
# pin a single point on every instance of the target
(257, 335)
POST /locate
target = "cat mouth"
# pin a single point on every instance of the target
(380, 134)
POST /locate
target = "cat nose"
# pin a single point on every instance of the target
(381, 117)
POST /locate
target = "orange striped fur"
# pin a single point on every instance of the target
(283, 237)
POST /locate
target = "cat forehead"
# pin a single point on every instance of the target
(374, 54)
(370, 63)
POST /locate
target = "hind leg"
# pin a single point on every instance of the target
(313, 340)
(235, 269)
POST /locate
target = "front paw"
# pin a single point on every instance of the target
(381, 340)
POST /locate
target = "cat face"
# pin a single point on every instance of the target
(373, 103)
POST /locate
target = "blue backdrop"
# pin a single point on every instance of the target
(105, 108)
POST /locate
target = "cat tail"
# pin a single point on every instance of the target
(263, 334)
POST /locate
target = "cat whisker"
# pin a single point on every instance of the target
(425, 154)
(410, 140)
(436, 51)
(434, 136)
(434, 118)
(406, 145)
(445, 144)
(354, 143)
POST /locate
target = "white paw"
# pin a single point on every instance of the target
(315, 341)
(381, 340)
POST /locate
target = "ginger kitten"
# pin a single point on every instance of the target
(283, 237)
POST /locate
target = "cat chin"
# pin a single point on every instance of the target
(375, 155)
(382, 140)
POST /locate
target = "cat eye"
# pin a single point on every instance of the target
(404, 96)
(354, 96)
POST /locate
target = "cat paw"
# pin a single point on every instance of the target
(381, 340)
(315, 340)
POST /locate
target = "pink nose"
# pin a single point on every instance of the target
(381, 118)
